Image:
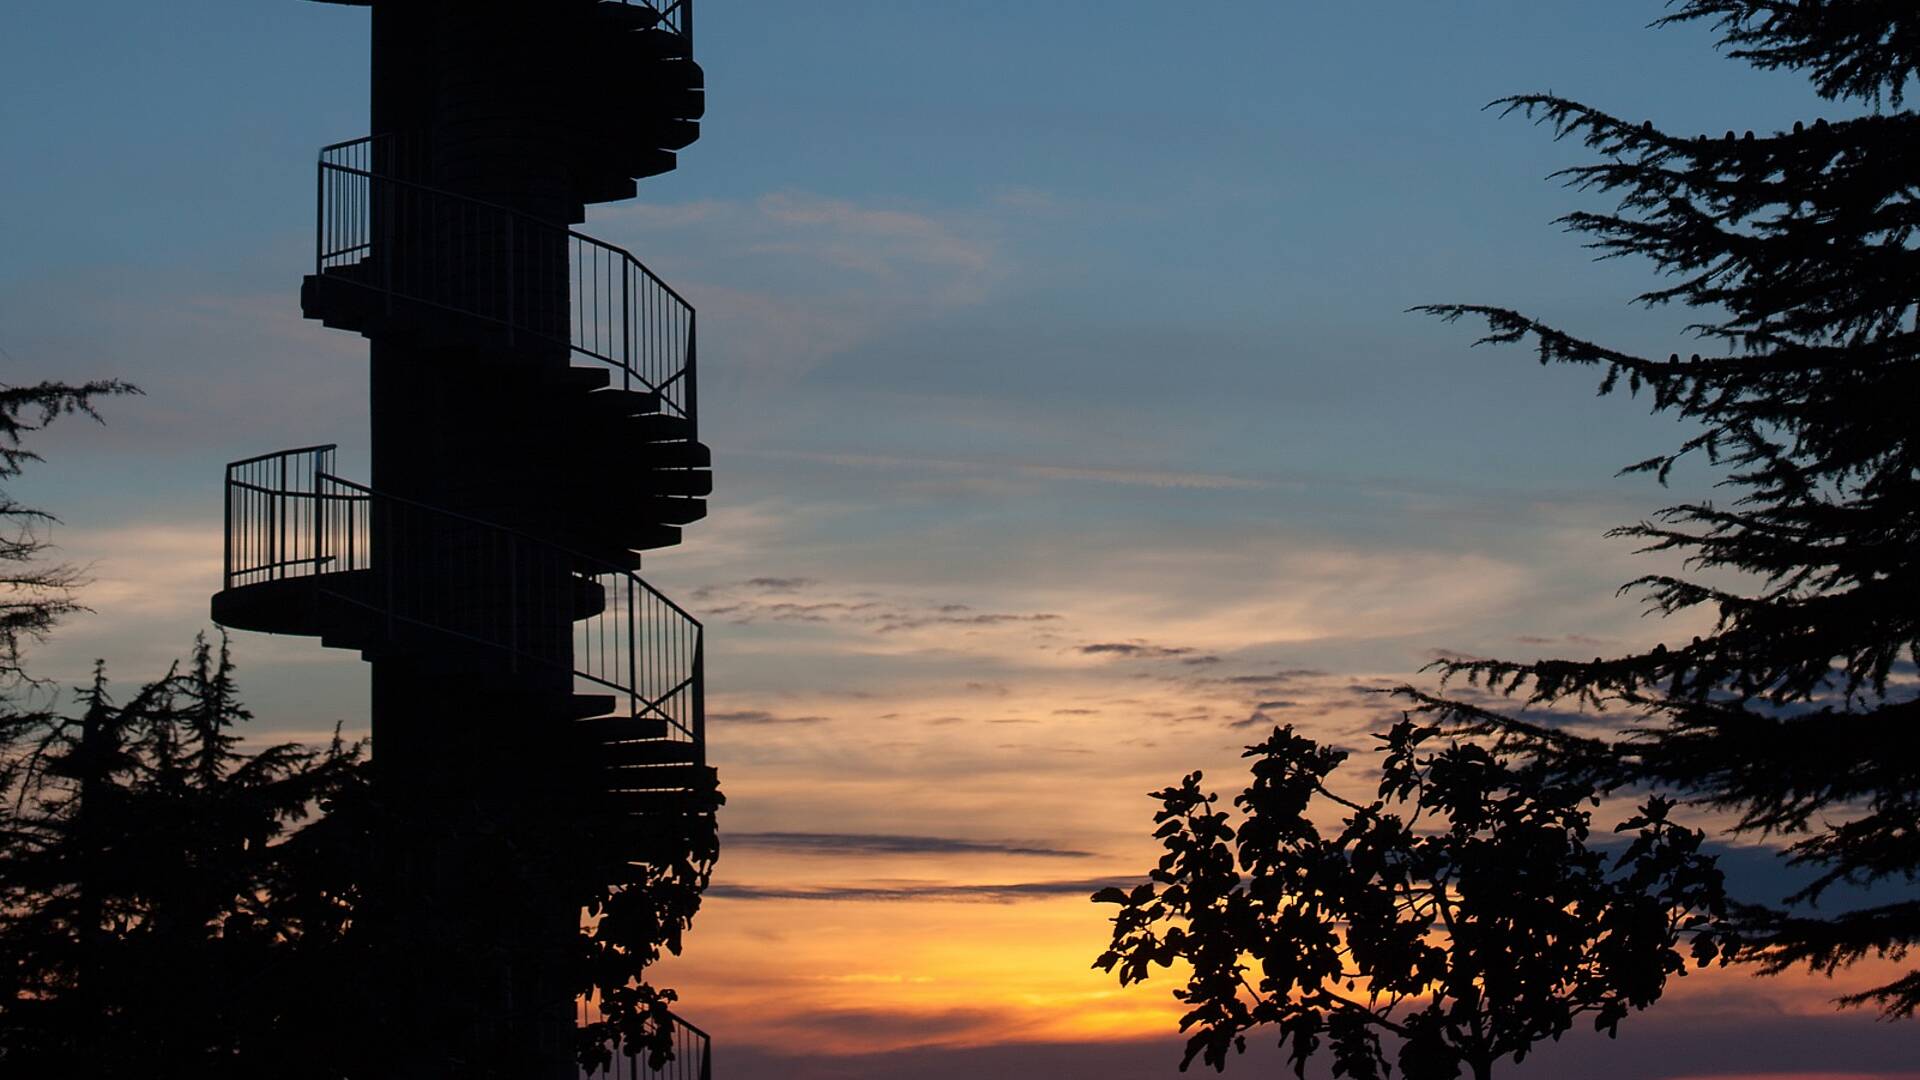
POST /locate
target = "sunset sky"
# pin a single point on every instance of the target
(1069, 431)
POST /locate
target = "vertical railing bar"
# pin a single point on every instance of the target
(278, 539)
(387, 563)
(319, 517)
(226, 532)
(633, 674)
(319, 218)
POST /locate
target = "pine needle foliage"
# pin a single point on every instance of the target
(34, 594)
(1797, 248)
(153, 915)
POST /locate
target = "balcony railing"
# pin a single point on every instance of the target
(274, 517)
(692, 1057)
(541, 604)
(410, 242)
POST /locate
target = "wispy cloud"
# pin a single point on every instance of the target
(948, 891)
(805, 600)
(761, 717)
(790, 279)
(873, 239)
(1273, 678)
(1154, 478)
(886, 844)
(1143, 650)
(913, 1026)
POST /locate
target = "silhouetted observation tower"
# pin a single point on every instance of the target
(534, 418)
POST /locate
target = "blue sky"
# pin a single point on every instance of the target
(1025, 328)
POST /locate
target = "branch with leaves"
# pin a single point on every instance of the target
(1463, 912)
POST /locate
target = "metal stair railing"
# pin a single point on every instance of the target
(540, 603)
(409, 241)
(692, 1056)
(273, 519)
(675, 15)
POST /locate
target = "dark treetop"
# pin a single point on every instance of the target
(1797, 709)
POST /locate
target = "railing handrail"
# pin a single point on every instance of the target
(344, 143)
(689, 1025)
(615, 309)
(314, 449)
(290, 492)
(283, 512)
(695, 1038)
(532, 219)
(604, 567)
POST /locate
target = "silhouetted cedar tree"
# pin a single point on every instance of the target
(1797, 709)
(34, 594)
(146, 918)
(173, 904)
(1463, 913)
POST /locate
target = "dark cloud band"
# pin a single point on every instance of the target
(890, 844)
(925, 891)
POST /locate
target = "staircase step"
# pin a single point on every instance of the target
(685, 454)
(582, 706)
(688, 103)
(641, 162)
(651, 537)
(659, 427)
(627, 16)
(665, 510)
(697, 483)
(603, 729)
(604, 187)
(646, 846)
(655, 44)
(623, 403)
(597, 558)
(660, 839)
(685, 777)
(668, 133)
(674, 73)
(589, 598)
(590, 379)
(695, 829)
(648, 752)
(704, 801)
(608, 540)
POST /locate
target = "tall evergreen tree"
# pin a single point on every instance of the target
(1798, 249)
(150, 916)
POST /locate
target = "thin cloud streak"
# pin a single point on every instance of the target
(809, 843)
(1155, 478)
(752, 717)
(922, 891)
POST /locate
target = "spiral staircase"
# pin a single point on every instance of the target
(535, 426)
(301, 559)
